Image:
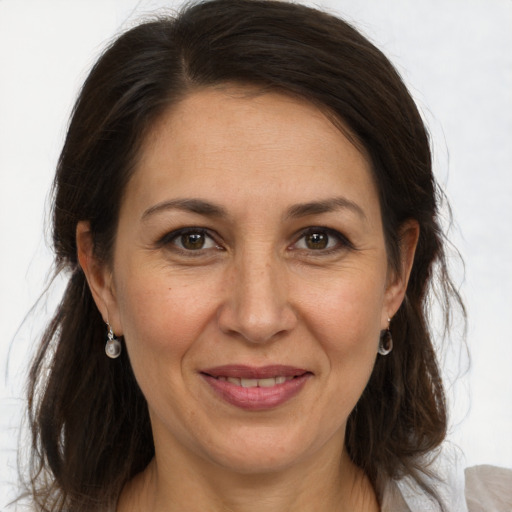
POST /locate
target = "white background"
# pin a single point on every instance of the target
(456, 56)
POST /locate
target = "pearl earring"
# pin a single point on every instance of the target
(113, 346)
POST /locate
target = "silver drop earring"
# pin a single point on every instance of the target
(113, 346)
(386, 341)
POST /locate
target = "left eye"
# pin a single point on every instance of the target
(319, 240)
(193, 240)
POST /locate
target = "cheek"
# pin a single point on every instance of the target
(345, 321)
(161, 317)
(346, 314)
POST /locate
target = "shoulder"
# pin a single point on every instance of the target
(439, 487)
(488, 488)
(475, 489)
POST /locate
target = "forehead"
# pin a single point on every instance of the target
(235, 141)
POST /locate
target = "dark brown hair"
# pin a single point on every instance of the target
(90, 424)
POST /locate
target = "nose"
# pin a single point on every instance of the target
(257, 306)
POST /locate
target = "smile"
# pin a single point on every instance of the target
(252, 383)
(256, 389)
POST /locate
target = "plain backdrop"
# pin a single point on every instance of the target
(456, 57)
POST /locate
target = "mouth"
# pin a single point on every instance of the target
(253, 383)
(256, 388)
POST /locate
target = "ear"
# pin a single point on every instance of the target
(399, 278)
(98, 275)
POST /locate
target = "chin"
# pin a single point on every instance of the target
(258, 462)
(266, 452)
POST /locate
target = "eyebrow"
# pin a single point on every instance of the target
(325, 206)
(206, 208)
(198, 206)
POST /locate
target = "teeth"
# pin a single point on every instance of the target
(266, 383)
(249, 383)
(252, 383)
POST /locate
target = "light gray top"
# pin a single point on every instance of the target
(476, 489)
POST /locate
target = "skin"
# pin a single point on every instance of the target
(258, 292)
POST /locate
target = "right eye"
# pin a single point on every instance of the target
(190, 239)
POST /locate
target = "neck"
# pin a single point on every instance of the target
(329, 484)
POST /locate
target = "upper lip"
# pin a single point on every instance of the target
(254, 372)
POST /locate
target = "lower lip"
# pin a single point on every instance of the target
(255, 398)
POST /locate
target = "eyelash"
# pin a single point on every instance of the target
(342, 242)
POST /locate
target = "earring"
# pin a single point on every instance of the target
(386, 341)
(113, 346)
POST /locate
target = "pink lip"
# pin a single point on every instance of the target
(256, 398)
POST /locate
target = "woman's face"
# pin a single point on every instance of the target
(250, 280)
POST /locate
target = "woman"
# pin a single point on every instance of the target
(246, 209)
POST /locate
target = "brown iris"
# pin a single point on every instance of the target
(193, 241)
(316, 241)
